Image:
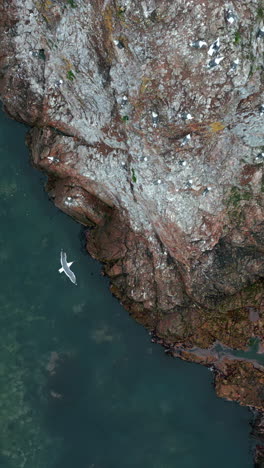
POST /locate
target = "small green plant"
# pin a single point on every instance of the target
(120, 10)
(235, 209)
(70, 75)
(260, 12)
(72, 3)
(125, 118)
(237, 195)
(237, 37)
(134, 179)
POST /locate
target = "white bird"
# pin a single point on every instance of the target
(260, 33)
(58, 82)
(182, 162)
(206, 190)
(124, 101)
(214, 62)
(186, 140)
(185, 116)
(155, 118)
(199, 44)
(259, 157)
(214, 47)
(119, 44)
(52, 159)
(65, 267)
(235, 64)
(230, 17)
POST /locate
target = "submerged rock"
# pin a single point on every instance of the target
(178, 226)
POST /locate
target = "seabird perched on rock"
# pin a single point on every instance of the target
(119, 44)
(58, 82)
(189, 183)
(214, 47)
(69, 201)
(234, 64)
(207, 190)
(52, 159)
(182, 163)
(155, 119)
(260, 157)
(65, 267)
(214, 62)
(186, 140)
(185, 116)
(260, 33)
(124, 101)
(199, 44)
(261, 109)
(230, 17)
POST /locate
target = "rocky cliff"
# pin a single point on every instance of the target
(148, 118)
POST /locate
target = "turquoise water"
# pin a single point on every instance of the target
(124, 403)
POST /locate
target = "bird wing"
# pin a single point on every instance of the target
(66, 267)
(70, 275)
(63, 258)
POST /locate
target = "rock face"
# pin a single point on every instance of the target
(258, 432)
(148, 117)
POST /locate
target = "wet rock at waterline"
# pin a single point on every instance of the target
(174, 206)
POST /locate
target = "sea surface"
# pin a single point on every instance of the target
(118, 400)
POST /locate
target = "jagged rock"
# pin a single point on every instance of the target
(179, 227)
(258, 433)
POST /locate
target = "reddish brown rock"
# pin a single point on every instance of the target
(258, 433)
(240, 381)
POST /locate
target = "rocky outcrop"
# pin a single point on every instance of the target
(258, 433)
(148, 119)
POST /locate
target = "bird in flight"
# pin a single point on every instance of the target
(65, 267)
